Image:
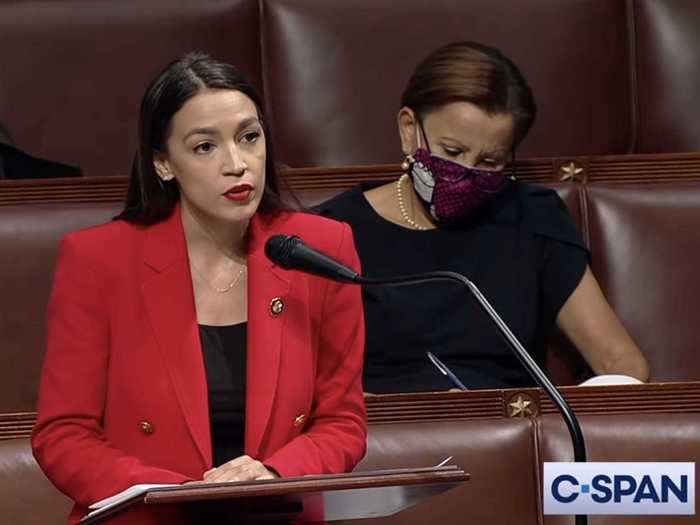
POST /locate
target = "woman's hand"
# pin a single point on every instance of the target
(242, 468)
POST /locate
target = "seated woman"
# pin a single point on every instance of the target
(458, 207)
(176, 350)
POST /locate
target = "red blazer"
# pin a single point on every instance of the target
(123, 397)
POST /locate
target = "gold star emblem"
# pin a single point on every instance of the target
(520, 407)
(571, 171)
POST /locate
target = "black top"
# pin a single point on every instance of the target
(522, 250)
(224, 349)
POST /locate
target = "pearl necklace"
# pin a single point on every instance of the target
(402, 207)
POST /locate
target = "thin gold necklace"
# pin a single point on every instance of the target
(238, 276)
(402, 207)
(226, 288)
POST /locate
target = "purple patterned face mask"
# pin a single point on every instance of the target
(449, 190)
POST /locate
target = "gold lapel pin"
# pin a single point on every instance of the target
(276, 306)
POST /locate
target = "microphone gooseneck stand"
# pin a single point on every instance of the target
(291, 252)
(525, 359)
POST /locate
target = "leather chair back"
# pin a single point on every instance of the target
(668, 54)
(625, 437)
(29, 237)
(645, 244)
(334, 71)
(28, 498)
(74, 72)
(478, 446)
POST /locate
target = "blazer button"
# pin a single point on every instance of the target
(299, 420)
(146, 427)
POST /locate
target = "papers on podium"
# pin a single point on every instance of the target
(376, 493)
(132, 492)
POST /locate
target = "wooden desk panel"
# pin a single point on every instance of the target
(609, 168)
(652, 398)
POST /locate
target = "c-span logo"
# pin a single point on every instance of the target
(619, 488)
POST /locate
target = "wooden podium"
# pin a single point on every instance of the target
(308, 499)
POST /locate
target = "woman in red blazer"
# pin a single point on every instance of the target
(158, 318)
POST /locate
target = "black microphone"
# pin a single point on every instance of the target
(291, 253)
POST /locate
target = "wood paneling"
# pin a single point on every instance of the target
(492, 404)
(611, 168)
(16, 425)
(653, 398)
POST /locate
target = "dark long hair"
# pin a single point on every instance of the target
(149, 199)
(475, 73)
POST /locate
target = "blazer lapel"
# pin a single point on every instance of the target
(169, 298)
(266, 283)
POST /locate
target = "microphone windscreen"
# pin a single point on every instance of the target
(291, 253)
(278, 249)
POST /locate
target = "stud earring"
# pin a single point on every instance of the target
(406, 164)
(164, 174)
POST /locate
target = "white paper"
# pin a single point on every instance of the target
(611, 379)
(135, 490)
(444, 462)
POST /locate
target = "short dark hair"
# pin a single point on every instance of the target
(475, 73)
(149, 199)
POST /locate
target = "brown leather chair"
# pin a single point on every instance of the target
(611, 77)
(628, 437)
(334, 71)
(642, 240)
(502, 454)
(498, 454)
(645, 244)
(28, 498)
(668, 84)
(73, 72)
(29, 236)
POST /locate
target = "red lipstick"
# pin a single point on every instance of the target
(239, 192)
